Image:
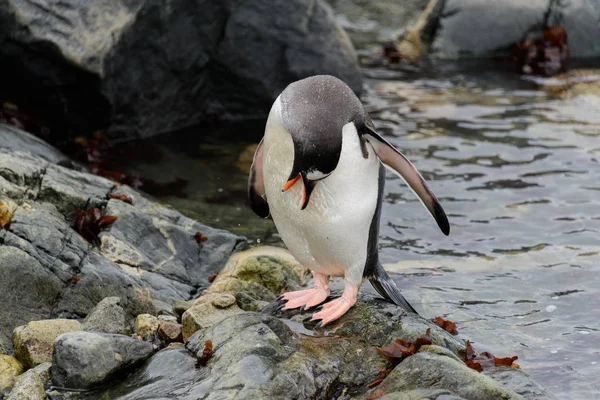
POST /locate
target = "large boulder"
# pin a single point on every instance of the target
(147, 258)
(146, 67)
(372, 22)
(484, 28)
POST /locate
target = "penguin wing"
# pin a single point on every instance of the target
(395, 160)
(256, 185)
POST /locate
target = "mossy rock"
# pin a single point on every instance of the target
(262, 273)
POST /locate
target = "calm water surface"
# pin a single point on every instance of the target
(516, 168)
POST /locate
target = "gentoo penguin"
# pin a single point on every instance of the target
(318, 172)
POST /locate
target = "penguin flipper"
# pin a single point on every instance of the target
(395, 160)
(256, 185)
(386, 287)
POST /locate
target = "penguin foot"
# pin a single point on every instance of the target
(336, 308)
(306, 298)
(310, 297)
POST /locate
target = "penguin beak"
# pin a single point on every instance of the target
(308, 188)
(291, 182)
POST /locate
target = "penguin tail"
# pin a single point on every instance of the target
(386, 287)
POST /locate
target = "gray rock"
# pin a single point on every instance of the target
(581, 19)
(16, 139)
(19, 274)
(147, 257)
(433, 370)
(260, 356)
(372, 22)
(28, 386)
(86, 359)
(108, 317)
(483, 28)
(224, 59)
(480, 27)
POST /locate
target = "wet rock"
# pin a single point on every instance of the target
(34, 341)
(170, 332)
(222, 59)
(262, 273)
(483, 28)
(28, 386)
(86, 359)
(275, 354)
(146, 326)
(10, 369)
(580, 19)
(108, 317)
(148, 258)
(372, 22)
(445, 374)
(207, 311)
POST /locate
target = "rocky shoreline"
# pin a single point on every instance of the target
(131, 316)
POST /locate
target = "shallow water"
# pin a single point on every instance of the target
(515, 167)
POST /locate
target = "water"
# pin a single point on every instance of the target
(515, 166)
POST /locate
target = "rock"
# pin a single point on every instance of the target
(28, 386)
(372, 22)
(146, 326)
(259, 356)
(108, 317)
(85, 359)
(170, 332)
(277, 354)
(16, 139)
(478, 27)
(224, 59)
(434, 369)
(262, 273)
(182, 306)
(34, 341)
(247, 303)
(10, 369)
(148, 258)
(580, 19)
(167, 318)
(205, 313)
(44, 372)
(482, 28)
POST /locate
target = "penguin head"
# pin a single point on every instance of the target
(314, 111)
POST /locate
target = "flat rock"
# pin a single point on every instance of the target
(224, 59)
(86, 359)
(108, 317)
(33, 342)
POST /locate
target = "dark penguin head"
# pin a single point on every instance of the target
(314, 111)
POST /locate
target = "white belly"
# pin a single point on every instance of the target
(331, 234)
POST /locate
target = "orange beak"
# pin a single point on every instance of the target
(291, 182)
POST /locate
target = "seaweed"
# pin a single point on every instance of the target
(89, 223)
(446, 325)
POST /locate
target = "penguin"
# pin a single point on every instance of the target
(319, 173)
